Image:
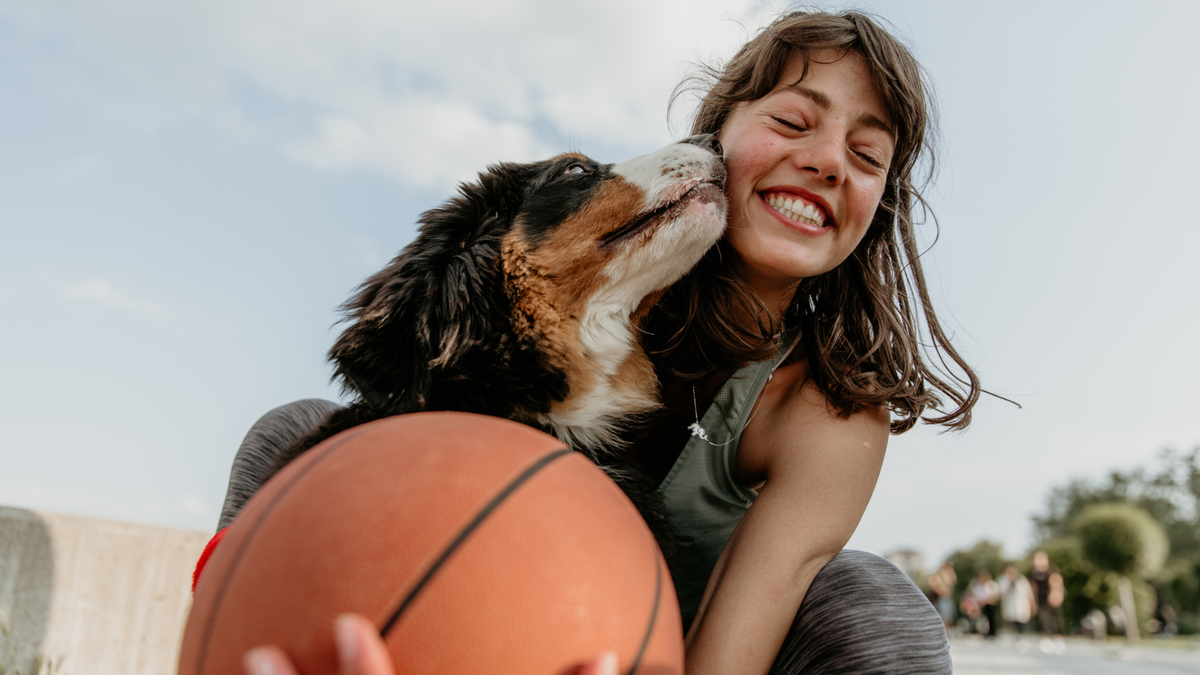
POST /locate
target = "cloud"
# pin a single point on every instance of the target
(456, 142)
(426, 93)
(101, 292)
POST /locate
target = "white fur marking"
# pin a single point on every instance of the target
(647, 263)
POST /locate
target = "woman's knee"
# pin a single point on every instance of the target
(266, 439)
(863, 615)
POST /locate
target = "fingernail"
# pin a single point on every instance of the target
(347, 640)
(258, 662)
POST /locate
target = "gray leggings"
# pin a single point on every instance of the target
(861, 615)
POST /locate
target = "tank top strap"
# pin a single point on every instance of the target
(723, 422)
(702, 492)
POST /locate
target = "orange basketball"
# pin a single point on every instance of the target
(476, 544)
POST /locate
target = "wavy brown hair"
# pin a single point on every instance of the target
(869, 331)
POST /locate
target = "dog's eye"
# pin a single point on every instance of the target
(576, 168)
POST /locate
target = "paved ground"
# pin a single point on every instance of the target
(1080, 656)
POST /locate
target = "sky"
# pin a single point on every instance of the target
(189, 189)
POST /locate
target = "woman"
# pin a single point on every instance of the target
(821, 119)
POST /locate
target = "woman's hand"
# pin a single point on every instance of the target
(361, 652)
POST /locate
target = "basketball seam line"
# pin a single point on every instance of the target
(208, 629)
(637, 660)
(466, 532)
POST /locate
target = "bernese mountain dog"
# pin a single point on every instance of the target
(522, 297)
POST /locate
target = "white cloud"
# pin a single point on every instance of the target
(425, 93)
(101, 292)
(425, 143)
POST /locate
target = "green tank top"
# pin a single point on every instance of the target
(701, 490)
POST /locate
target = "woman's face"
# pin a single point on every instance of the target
(807, 165)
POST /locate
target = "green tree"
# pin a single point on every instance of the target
(1170, 492)
(1179, 587)
(1126, 541)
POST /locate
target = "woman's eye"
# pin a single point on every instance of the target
(870, 160)
(790, 125)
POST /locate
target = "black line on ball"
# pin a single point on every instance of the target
(637, 660)
(466, 532)
(253, 530)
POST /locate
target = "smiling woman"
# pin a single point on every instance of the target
(789, 353)
(785, 231)
(864, 315)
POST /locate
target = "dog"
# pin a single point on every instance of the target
(522, 297)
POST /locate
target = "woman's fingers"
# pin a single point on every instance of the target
(360, 648)
(267, 661)
(361, 652)
(604, 665)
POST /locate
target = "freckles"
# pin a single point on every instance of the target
(751, 161)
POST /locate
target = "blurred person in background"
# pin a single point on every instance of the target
(1049, 592)
(979, 602)
(1017, 603)
(942, 584)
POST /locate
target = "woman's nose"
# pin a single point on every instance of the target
(824, 156)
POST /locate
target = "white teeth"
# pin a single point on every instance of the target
(797, 210)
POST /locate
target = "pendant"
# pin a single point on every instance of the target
(698, 431)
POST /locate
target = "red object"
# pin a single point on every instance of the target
(475, 544)
(208, 551)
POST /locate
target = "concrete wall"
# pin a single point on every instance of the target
(80, 596)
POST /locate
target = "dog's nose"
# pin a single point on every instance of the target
(707, 141)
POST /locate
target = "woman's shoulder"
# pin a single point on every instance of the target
(796, 418)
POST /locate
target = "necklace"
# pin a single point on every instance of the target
(700, 432)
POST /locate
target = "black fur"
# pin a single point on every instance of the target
(433, 330)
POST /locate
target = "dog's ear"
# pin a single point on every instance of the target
(434, 330)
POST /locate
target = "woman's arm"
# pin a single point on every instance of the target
(817, 473)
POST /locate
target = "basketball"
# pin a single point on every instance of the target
(475, 544)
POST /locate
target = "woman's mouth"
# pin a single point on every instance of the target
(796, 209)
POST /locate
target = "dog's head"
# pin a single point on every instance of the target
(521, 296)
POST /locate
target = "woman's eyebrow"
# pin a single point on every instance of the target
(819, 97)
(825, 103)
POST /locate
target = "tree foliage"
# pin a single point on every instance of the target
(1121, 538)
(1170, 493)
